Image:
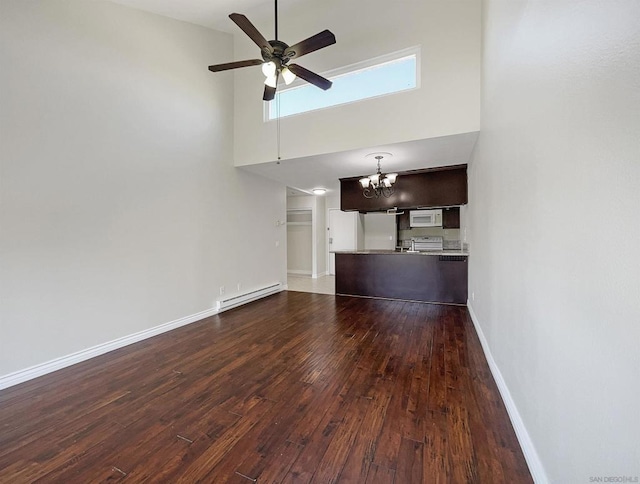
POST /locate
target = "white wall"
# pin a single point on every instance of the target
(331, 200)
(321, 236)
(379, 231)
(447, 102)
(117, 180)
(553, 227)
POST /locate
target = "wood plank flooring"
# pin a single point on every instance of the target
(293, 388)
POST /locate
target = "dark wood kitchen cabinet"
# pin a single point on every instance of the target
(404, 223)
(429, 188)
(451, 218)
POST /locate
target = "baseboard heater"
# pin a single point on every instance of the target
(239, 299)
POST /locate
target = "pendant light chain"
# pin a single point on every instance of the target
(277, 96)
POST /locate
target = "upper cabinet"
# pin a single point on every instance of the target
(437, 187)
(451, 218)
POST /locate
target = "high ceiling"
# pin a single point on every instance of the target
(303, 174)
(208, 13)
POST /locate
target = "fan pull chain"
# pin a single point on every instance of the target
(278, 123)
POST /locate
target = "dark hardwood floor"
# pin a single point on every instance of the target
(296, 387)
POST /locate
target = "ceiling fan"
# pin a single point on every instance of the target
(276, 56)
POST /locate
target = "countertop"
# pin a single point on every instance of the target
(397, 252)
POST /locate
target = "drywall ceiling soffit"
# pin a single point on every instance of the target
(294, 192)
(325, 170)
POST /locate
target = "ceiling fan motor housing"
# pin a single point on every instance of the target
(278, 55)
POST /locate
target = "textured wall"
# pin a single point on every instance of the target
(121, 209)
(553, 226)
(448, 101)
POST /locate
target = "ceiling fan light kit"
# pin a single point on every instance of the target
(269, 69)
(271, 81)
(287, 75)
(276, 56)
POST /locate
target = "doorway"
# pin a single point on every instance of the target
(300, 241)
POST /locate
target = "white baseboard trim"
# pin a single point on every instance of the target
(528, 449)
(41, 369)
(297, 272)
(319, 275)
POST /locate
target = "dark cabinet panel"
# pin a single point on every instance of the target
(413, 277)
(436, 187)
(451, 218)
(404, 223)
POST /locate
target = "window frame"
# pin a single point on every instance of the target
(379, 61)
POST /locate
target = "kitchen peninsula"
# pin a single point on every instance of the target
(438, 276)
(427, 205)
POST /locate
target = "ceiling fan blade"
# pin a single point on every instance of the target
(249, 29)
(270, 92)
(235, 65)
(316, 42)
(312, 77)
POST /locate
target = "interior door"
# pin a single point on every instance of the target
(343, 232)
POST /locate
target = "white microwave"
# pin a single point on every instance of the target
(425, 218)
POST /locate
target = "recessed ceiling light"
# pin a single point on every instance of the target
(319, 191)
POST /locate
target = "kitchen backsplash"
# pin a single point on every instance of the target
(446, 234)
(451, 245)
(450, 237)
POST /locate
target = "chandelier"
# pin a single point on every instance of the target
(378, 184)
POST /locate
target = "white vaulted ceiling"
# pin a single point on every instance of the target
(208, 13)
(324, 164)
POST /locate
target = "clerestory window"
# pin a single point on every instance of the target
(390, 74)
